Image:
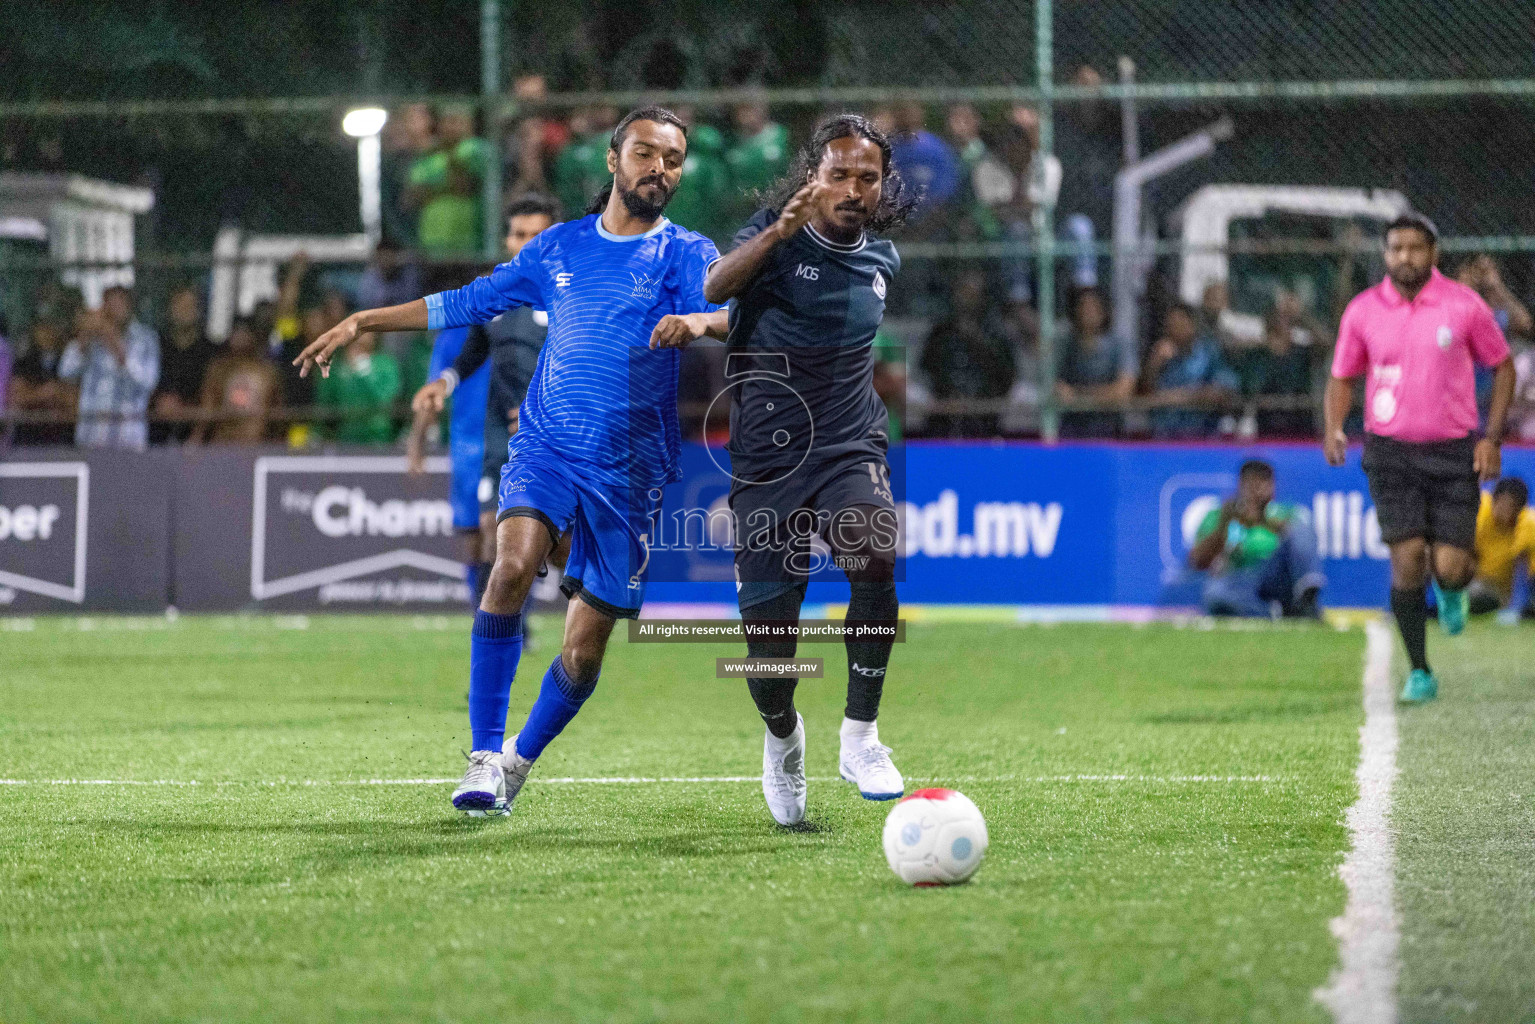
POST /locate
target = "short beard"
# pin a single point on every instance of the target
(640, 207)
(1416, 281)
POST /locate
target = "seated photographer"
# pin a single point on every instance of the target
(1505, 536)
(1261, 554)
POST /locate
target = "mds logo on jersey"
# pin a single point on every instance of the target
(808, 272)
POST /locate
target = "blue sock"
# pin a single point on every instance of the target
(495, 645)
(558, 701)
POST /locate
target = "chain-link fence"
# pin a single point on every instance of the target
(1148, 226)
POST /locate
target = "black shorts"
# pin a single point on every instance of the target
(775, 518)
(497, 435)
(1424, 489)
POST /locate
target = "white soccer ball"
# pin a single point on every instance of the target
(935, 837)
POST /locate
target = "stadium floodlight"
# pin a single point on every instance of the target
(364, 121)
(364, 124)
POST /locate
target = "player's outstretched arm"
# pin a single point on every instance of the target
(681, 330)
(408, 316)
(731, 273)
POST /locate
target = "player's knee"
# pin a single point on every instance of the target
(873, 569)
(511, 578)
(583, 661)
(1409, 564)
(1454, 573)
(771, 648)
(873, 600)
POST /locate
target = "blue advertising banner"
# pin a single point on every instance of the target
(1071, 524)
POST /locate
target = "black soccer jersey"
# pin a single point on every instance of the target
(800, 357)
(512, 341)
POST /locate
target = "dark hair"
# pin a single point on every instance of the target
(896, 199)
(1184, 308)
(1416, 221)
(1256, 467)
(533, 204)
(660, 115)
(247, 322)
(1513, 487)
(1082, 291)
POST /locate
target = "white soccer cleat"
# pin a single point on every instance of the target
(514, 769)
(783, 774)
(870, 769)
(483, 791)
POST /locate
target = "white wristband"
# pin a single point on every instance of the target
(451, 377)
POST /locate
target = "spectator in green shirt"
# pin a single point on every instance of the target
(446, 186)
(701, 201)
(358, 384)
(758, 157)
(1261, 554)
(582, 166)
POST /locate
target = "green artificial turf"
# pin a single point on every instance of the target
(1465, 822)
(254, 895)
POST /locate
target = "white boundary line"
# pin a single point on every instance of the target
(1363, 988)
(630, 780)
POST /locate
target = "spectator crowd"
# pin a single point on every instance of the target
(960, 356)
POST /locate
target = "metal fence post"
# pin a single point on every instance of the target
(490, 91)
(1044, 221)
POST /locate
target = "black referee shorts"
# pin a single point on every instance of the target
(1424, 489)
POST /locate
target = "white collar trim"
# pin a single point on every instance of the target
(605, 233)
(823, 241)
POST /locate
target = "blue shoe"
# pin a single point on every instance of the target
(1454, 606)
(1421, 686)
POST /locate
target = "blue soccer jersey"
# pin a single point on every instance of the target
(600, 398)
(466, 428)
(466, 419)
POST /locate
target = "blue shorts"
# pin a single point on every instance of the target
(610, 525)
(467, 461)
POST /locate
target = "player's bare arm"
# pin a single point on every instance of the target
(425, 406)
(1335, 405)
(731, 273)
(681, 330)
(408, 316)
(1488, 460)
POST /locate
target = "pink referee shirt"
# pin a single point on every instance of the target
(1420, 356)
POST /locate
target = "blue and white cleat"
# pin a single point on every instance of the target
(870, 769)
(482, 794)
(1454, 606)
(783, 775)
(1420, 687)
(514, 770)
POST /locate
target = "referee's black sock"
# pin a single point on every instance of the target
(1411, 613)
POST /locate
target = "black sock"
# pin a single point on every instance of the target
(1411, 617)
(775, 700)
(871, 603)
(774, 696)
